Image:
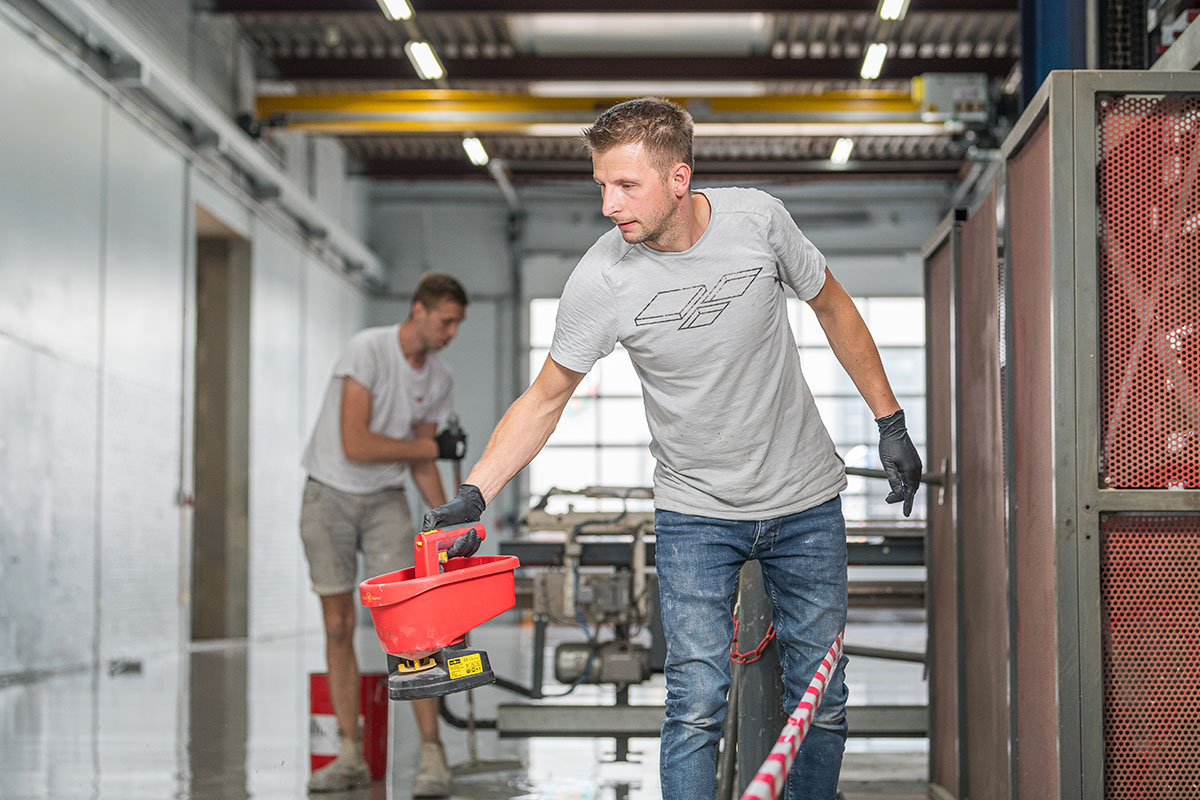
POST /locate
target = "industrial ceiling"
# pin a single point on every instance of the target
(772, 85)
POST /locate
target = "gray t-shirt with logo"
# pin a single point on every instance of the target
(401, 398)
(734, 428)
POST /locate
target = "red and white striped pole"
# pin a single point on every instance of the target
(772, 775)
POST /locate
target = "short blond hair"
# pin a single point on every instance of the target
(664, 128)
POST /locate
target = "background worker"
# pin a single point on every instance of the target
(378, 420)
(745, 468)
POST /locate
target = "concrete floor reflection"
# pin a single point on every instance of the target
(230, 721)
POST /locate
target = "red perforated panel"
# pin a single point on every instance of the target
(1031, 371)
(1150, 606)
(1149, 248)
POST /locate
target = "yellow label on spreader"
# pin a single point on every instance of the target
(463, 666)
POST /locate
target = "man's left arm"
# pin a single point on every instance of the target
(425, 473)
(856, 351)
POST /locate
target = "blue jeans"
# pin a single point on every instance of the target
(803, 558)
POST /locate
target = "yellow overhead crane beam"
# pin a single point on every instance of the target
(455, 111)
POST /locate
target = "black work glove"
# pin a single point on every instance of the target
(467, 506)
(900, 460)
(452, 443)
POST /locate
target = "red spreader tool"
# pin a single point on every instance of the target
(422, 613)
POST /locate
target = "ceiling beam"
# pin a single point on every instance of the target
(460, 105)
(625, 69)
(448, 111)
(425, 168)
(583, 6)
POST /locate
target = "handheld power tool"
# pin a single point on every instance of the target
(422, 614)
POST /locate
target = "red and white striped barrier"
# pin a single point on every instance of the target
(772, 775)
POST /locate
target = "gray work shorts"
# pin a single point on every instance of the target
(336, 525)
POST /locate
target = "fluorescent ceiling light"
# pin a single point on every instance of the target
(665, 34)
(424, 60)
(893, 9)
(398, 9)
(268, 88)
(873, 60)
(646, 88)
(475, 151)
(841, 151)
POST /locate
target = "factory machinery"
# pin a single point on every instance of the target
(593, 572)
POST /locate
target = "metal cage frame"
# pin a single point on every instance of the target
(1066, 103)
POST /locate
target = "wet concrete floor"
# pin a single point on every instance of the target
(230, 721)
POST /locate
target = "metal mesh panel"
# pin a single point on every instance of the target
(1150, 598)
(941, 548)
(980, 477)
(1149, 260)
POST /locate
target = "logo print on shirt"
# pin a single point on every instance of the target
(696, 306)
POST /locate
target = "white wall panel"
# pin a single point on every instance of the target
(220, 203)
(329, 322)
(277, 576)
(328, 173)
(200, 48)
(144, 252)
(292, 148)
(140, 521)
(333, 312)
(355, 209)
(464, 239)
(569, 225)
(50, 194)
(217, 58)
(48, 478)
(544, 274)
(140, 406)
(96, 306)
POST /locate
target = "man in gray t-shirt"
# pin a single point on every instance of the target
(691, 284)
(388, 392)
(708, 334)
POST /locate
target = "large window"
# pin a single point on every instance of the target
(602, 437)
(898, 325)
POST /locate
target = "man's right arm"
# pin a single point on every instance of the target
(518, 437)
(360, 443)
(524, 428)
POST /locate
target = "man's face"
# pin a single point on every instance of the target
(438, 325)
(636, 196)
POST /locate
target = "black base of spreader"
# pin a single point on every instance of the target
(456, 669)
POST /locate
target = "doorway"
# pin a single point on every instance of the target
(220, 538)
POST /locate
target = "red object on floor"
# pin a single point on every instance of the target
(373, 715)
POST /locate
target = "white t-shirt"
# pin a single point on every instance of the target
(401, 398)
(734, 428)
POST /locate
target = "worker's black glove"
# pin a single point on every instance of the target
(452, 443)
(467, 506)
(900, 460)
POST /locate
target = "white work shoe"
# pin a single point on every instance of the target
(433, 773)
(340, 775)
